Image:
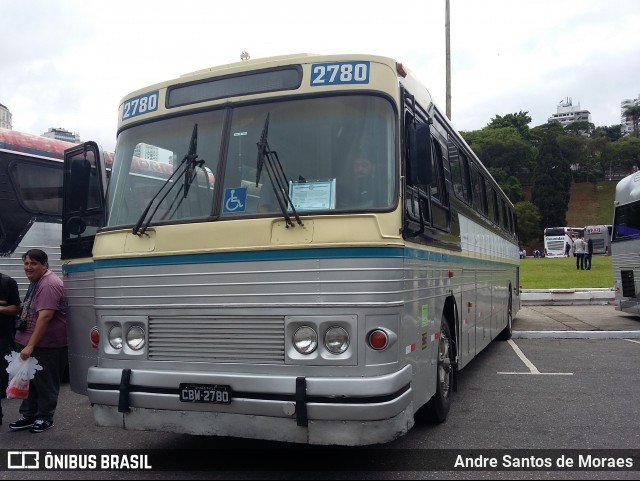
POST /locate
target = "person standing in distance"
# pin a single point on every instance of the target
(9, 310)
(579, 247)
(45, 338)
(588, 254)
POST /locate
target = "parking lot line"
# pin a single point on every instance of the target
(533, 370)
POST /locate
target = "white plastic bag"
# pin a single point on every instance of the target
(20, 373)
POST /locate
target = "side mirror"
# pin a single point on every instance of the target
(420, 160)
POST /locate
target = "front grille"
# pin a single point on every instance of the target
(555, 246)
(217, 340)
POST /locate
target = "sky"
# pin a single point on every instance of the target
(69, 63)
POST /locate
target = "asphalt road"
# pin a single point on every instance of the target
(518, 397)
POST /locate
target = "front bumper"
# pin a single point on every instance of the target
(344, 411)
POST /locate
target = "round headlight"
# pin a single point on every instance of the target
(305, 340)
(336, 340)
(115, 337)
(135, 338)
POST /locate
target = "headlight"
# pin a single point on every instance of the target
(305, 340)
(336, 340)
(115, 337)
(135, 338)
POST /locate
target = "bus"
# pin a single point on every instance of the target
(600, 235)
(256, 288)
(31, 178)
(625, 244)
(31, 192)
(556, 239)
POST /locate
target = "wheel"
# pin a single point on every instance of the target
(437, 408)
(506, 333)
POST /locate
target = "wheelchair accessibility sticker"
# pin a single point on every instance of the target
(235, 200)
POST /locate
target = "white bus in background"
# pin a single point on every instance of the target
(601, 237)
(625, 243)
(556, 238)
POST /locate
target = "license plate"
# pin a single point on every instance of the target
(205, 393)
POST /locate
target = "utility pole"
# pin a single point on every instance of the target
(448, 56)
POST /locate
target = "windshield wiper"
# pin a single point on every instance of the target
(192, 163)
(190, 175)
(187, 164)
(269, 159)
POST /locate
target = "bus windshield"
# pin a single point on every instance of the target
(312, 138)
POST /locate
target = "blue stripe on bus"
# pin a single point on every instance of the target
(249, 256)
(74, 268)
(276, 255)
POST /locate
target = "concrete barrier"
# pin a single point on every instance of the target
(566, 297)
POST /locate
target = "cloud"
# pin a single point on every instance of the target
(70, 62)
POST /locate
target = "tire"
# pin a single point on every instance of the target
(437, 409)
(507, 332)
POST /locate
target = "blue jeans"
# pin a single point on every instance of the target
(45, 386)
(579, 261)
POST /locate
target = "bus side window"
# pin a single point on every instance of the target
(439, 196)
(479, 193)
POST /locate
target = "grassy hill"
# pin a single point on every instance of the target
(591, 204)
(588, 205)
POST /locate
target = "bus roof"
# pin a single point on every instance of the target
(32, 144)
(300, 61)
(14, 141)
(628, 189)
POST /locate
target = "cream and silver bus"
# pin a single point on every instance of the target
(316, 256)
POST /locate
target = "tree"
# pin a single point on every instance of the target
(633, 114)
(503, 148)
(508, 183)
(613, 133)
(528, 216)
(581, 127)
(519, 121)
(626, 154)
(573, 149)
(552, 183)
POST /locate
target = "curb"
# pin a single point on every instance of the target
(575, 335)
(566, 297)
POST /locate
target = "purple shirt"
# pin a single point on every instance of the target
(49, 295)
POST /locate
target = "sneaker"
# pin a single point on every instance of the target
(22, 423)
(41, 425)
